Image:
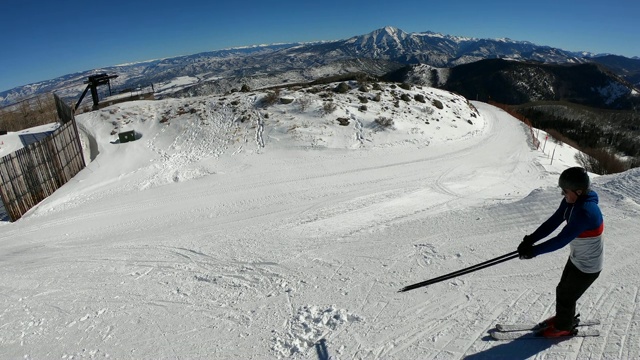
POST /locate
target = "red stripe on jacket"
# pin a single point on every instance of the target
(593, 233)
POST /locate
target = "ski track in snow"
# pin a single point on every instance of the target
(267, 252)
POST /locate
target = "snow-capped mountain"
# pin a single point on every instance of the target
(439, 50)
(158, 72)
(376, 53)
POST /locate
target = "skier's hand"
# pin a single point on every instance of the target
(527, 239)
(525, 250)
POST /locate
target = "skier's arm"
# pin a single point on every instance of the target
(572, 230)
(550, 225)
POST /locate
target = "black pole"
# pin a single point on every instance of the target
(82, 97)
(450, 276)
(475, 267)
(482, 265)
(94, 94)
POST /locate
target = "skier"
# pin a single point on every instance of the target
(583, 232)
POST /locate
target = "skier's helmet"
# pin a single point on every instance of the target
(574, 178)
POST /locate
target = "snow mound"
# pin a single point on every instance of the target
(309, 325)
(176, 137)
(624, 187)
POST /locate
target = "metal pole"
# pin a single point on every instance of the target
(486, 264)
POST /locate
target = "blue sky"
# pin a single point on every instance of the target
(44, 39)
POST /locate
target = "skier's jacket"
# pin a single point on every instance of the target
(583, 232)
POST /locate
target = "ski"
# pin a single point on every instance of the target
(538, 326)
(535, 335)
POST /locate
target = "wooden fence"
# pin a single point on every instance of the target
(31, 174)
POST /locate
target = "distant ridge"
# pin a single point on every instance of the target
(378, 52)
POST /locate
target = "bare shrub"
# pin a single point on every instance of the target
(39, 110)
(271, 98)
(384, 122)
(600, 161)
(328, 108)
(303, 103)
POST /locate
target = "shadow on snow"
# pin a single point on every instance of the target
(514, 349)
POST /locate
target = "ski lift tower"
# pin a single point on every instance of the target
(92, 83)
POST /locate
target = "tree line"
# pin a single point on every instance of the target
(609, 141)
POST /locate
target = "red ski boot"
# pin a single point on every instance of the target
(552, 332)
(550, 322)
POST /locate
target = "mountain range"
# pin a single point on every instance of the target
(378, 53)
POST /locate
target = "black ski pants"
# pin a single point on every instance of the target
(573, 284)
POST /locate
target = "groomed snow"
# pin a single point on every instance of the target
(230, 231)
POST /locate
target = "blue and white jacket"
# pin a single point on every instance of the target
(583, 232)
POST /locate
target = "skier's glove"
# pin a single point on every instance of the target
(525, 250)
(527, 239)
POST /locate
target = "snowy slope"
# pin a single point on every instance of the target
(230, 231)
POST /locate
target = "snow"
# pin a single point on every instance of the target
(10, 142)
(613, 91)
(177, 83)
(231, 231)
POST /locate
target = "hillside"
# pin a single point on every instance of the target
(589, 127)
(235, 229)
(361, 115)
(511, 82)
(376, 53)
(584, 103)
(629, 69)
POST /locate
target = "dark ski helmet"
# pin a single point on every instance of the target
(575, 178)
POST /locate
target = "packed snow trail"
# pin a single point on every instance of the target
(262, 255)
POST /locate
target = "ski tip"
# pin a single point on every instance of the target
(407, 288)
